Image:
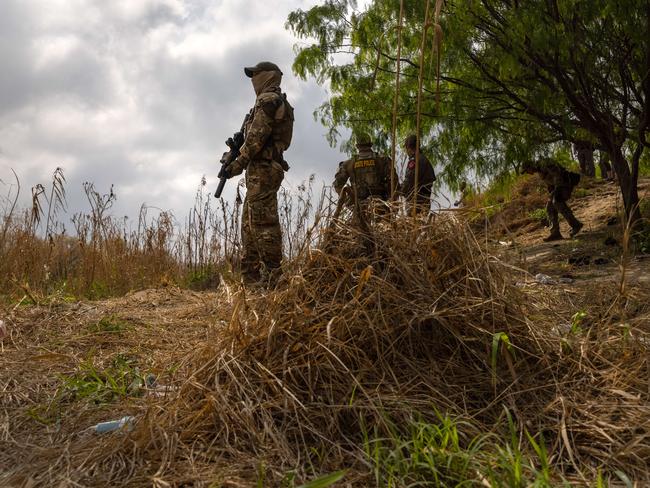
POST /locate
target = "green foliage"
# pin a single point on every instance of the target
(289, 480)
(426, 454)
(498, 192)
(520, 79)
(576, 322)
(202, 279)
(441, 454)
(581, 193)
(110, 325)
(538, 214)
(325, 480)
(46, 414)
(499, 339)
(642, 239)
(121, 378)
(99, 290)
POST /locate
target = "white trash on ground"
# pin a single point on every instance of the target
(125, 422)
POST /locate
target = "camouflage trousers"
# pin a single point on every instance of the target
(557, 204)
(260, 226)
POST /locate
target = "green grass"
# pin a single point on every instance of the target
(538, 214)
(444, 454)
(202, 279)
(581, 193)
(120, 379)
(110, 325)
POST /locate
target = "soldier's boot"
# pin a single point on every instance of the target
(553, 218)
(566, 212)
(575, 229)
(555, 235)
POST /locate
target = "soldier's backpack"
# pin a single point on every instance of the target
(283, 127)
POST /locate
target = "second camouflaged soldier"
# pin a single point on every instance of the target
(368, 173)
(426, 177)
(560, 183)
(267, 135)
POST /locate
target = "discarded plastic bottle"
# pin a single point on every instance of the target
(125, 422)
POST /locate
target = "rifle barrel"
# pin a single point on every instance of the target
(222, 183)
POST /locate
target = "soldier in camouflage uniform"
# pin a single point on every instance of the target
(267, 133)
(367, 172)
(560, 183)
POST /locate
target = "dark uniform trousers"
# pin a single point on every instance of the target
(557, 204)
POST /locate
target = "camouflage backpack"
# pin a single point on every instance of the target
(283, 126)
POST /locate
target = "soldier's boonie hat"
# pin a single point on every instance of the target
(261, 66)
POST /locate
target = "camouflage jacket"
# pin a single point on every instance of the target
(368, 172)
(270, 110)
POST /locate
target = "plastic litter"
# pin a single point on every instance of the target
(565, 280)
(125, 422)
(544, 279)
(161, 391)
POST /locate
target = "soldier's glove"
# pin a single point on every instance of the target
(225, 172)
(237, 166)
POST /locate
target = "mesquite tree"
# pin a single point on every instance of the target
(518, 78)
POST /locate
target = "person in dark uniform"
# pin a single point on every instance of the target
(560, 183)
(425, 173)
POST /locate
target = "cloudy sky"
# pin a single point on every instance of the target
(141, 94)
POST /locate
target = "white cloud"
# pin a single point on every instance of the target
(142, 94)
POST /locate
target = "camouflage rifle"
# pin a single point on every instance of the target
(234, 143)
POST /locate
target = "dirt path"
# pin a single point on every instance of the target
(594, 255)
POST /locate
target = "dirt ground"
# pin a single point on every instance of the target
(596, 254)
(47, 347)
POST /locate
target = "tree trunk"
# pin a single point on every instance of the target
(628, 184)
(585, 155)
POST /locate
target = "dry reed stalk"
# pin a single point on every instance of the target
(393, 154)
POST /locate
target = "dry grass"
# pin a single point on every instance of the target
(368, 334)
(41, 259)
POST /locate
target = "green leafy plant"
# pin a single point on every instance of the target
(499, 339)
(110, 325)
(119, 380)
(325, 480)
(538, 214)
(576, 322)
